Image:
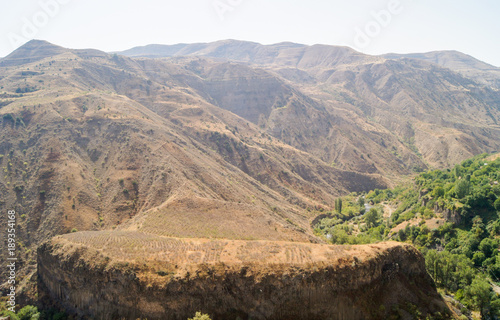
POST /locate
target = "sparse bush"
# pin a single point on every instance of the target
(200, 316)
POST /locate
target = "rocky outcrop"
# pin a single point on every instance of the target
(126, 275)
(451, 215)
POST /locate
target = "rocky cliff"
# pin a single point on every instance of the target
(131, 275)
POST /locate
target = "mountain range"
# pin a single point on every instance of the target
(230, 139)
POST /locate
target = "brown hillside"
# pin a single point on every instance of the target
(90, 141)
(231, 140)
(477, 70)
(412, 114)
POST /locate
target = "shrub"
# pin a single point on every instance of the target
(200, 316)
(438, 192)
(497, 204)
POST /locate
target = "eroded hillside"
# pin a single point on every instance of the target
(236, 141)
(377, 113)
(92, 141)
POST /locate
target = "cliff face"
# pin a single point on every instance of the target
(96, 276)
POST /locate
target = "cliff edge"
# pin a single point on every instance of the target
(131, 275)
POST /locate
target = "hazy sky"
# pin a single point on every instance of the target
(370, 26)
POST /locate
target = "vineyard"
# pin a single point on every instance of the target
(195, 217)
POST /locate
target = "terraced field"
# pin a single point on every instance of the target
(133, 246)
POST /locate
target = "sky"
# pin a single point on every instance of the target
(369, 26)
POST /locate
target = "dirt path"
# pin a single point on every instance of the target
(495, 287)
(493, 157)
(388, 210)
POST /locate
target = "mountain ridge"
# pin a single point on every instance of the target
(209, 147)
(36, 50)
(459, 62)
(176, 50)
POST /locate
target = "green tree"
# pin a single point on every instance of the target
(478, 229)
(402, 235)
(478, 258)
(479, 296)
(371, 218)
(438, 192)
(496, 204)
(488, 246)
(338, 205)
(29, 313)
(10, 314)
(462, 188)
(361, 201)
(26, 313)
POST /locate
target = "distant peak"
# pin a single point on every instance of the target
(40, 44)
(235, 41)
(31, 51)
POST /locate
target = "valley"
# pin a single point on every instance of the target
(226, 144)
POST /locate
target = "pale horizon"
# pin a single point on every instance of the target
(371, 27)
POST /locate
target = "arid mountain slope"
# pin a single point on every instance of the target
(462, 63)
(98, 138)
(90, 141)
(414, 114)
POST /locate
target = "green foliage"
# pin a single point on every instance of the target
(378, 196)
(29, 313)
(478, 258)
(338, 205)
(462, 259)
(59, 316)
(480, 296)
(488, 247)
(462, 188)
(26, 89)
(438, 192)
(53, 314)
(372, 218)
(26, 313)
(361, 201)
(496, 204)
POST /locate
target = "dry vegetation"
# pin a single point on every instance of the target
(137, 247)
